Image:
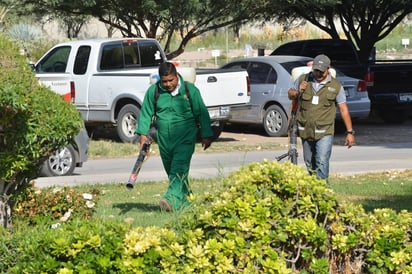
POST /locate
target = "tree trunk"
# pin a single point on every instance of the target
(5, 212)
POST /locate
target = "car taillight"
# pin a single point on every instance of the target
(71, 95)
(362, 86)
(369, 78)
(248, 85)
(72, 92)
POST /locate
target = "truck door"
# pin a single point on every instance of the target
(51, 71)
(66, 76)
(81, 80)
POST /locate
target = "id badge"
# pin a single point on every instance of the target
(315, 100)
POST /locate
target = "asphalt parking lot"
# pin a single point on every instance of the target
(368, 132)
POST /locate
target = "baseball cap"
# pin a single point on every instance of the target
(321, 62)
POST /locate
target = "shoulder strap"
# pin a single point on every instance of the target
(188, 95)
(156, 96)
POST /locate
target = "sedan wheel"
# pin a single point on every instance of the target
(275, 122)
(61, 163)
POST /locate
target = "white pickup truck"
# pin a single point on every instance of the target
(107, 79)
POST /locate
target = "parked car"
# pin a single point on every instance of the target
(388, 81)
(270, 78)
(64, 161)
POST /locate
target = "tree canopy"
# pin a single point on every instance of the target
(158, 19)
(363, 22)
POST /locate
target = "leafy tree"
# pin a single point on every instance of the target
(72, 24)
(34, 122)
(158, 19)
(5, 7)
(364, 22)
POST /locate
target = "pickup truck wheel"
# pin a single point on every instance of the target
(275, 121)
(127, 123)
(217, 130)
(61, 163)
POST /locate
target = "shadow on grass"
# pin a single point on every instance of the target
(127, 207)
(396, 203)
(225, 139)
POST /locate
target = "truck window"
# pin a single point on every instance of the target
(149, 54)
(120, 55)
(54, 61)
(131, 55)
(112, 57)
(82, 59)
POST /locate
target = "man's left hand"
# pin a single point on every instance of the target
(350, 140)
(206, 142)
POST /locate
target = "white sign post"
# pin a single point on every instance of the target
(215, 53)
(405, 42)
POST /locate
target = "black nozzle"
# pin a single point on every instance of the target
(129, 186)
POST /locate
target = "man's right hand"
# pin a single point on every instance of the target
(302, 86)
(143, 139)
(206, 142)
(293, 94)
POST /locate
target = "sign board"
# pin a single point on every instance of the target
(215, 53)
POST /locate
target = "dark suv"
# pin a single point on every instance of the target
(341, 52)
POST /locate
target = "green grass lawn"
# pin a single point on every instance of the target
(391, 189)
(140, 206)
(110, 149)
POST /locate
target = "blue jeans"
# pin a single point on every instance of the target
(316, 155)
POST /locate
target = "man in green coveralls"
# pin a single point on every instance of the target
(177, 120)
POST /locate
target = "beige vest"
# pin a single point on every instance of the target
(317, 112)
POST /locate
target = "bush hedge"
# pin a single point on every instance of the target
(34, 122)
(265, 218)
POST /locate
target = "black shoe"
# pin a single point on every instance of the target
(165, 205)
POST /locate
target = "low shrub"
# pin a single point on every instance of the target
(57, 204)
(275, 218)
(78, 246)
(265, 218)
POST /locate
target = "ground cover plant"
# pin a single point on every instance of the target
(264, 218)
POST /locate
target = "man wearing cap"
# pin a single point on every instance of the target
(318, 93)
(177, 113)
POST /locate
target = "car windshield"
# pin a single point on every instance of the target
(288, 66)
(291, 65)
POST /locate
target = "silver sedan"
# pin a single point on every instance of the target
(270, 79)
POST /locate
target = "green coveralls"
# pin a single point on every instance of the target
(176, 134)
